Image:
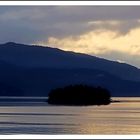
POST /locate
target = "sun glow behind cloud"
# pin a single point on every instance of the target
(100, 40)
(108, 39)
(111, 32)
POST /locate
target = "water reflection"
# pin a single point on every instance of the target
(116, 118)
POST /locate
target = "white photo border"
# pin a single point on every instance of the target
(69, 3)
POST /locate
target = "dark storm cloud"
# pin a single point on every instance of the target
(34, 23)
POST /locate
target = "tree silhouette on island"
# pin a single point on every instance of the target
(79, 95)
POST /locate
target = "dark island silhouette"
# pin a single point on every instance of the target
(79, 95)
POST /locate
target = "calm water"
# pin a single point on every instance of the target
(40, 118)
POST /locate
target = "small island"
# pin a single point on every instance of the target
(79, 95)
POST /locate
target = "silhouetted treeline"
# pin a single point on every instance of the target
(79, 95)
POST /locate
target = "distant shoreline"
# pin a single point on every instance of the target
(41, 101)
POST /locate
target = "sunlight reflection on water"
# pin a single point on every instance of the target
(116, 118)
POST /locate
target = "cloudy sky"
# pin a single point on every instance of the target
(112, 32)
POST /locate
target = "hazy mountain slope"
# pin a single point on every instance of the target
(36, 56)
(33, 71)
(39, 81)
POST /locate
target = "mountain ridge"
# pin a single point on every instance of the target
(34, 56)
(66, 51)
(35, 70)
